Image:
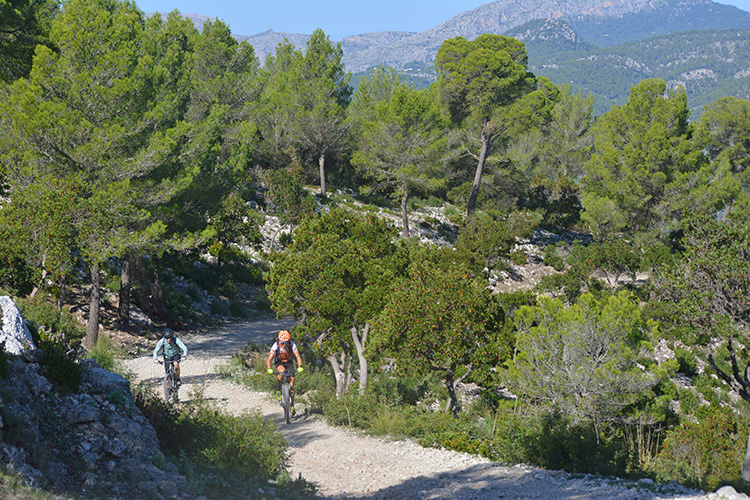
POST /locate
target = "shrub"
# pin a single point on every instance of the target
(688, 363)
(388, 421)
(519, 257)
(704, 454)
(59, 361)
(556, 442)
(248, 443)
(351, 410)
(104, 353)
(262, 302)
(42, 313)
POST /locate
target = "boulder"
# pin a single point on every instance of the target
(14, 333)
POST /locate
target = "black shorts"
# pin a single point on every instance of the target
(288, 368)
(167, 360)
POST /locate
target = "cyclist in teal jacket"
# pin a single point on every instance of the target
(169, 345)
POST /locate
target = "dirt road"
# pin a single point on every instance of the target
(345, 464)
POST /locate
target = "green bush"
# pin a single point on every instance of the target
(687, 360)
(553, 258)
(519, 257)
(248, 443)
(351, 410)
(237, 309)
(39, 312)
(104, 353)
(59, 362)
(704, 454)
(577, 447)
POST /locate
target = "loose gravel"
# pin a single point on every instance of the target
(346, 465)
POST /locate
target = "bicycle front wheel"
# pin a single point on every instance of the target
(166, 389)
(286, 402)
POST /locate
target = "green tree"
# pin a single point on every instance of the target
(305, 100)
(400, 146)
(708, 284)
(24, 24)
(723, 132)
(642, 149)
(442, 319)
(322, 94)
(581, 360)
(335, 277)
(235, 223)
(98, 110)
(39, 226)
(487, 87)
(287, 196)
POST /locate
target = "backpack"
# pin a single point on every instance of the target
(284, 351)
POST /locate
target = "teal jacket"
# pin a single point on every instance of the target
(169, 348)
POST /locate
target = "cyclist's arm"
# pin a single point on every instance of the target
(296, 353)
(182, 347)
(268, 361)
(158, 346)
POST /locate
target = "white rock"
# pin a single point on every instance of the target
(15, 334)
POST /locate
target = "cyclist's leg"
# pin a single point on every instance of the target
(176, 364)
(279, 374)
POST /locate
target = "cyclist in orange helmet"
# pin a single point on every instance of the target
(282, 353)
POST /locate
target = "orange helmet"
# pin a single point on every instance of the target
(284, 336)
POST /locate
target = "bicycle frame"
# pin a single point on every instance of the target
(286, 396)
(170, 383)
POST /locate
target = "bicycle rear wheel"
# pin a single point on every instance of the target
(175, 392)
(286, 401)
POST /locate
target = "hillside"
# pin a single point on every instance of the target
(709, 64)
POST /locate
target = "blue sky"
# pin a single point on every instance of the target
(337, 18)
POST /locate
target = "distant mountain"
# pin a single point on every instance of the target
(709, 64)
(598, 22)
(548, 36)
(265, 43)
(598, 46)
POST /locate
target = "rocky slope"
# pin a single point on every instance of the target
(94, 441)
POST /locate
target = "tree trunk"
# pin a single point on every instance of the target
(92, 329)
(321, 164)
(746, 463)
(41, 281)
(472, 204)
(451, 383)
(338, 372)
(452, 403)
(359, 343)
(123, 306)
(61, 295)
(404, 216)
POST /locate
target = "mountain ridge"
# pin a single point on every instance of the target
(558, 33)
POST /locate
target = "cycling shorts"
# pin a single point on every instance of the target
(288, 368)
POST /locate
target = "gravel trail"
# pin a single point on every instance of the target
(346, 464)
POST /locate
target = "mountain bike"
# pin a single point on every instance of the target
(170, 384)
(286, 396)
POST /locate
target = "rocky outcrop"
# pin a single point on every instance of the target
(95, 441)
(14, 332)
